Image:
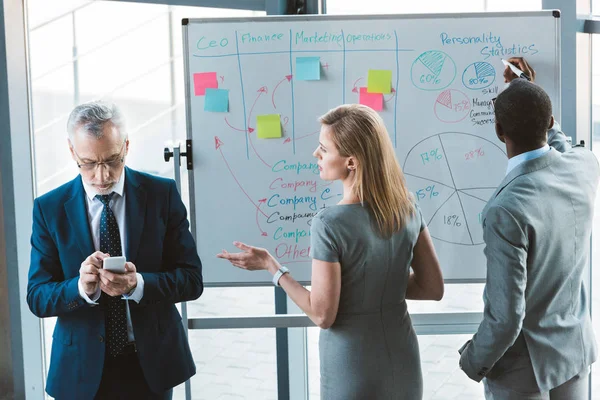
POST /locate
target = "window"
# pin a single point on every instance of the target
(429, 6)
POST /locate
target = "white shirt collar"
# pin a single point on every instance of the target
(529, 155)
(118, 188)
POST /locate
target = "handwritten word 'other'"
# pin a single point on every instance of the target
(291, 252)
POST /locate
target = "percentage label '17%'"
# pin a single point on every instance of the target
(451, 220)
(427, 193)
(431, 156)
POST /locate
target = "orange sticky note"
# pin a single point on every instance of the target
(204, 80)
(373, 100)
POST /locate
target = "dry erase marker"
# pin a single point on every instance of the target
(516, 70)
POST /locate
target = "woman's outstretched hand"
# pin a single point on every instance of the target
(250, 258)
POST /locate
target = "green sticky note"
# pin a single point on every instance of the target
(216, 100)
(379, 81)
(268, 126)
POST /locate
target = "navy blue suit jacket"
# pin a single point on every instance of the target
(160, 245)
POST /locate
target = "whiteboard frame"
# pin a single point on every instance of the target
(327, 17)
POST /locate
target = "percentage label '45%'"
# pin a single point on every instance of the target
(431, 156)
(429, 192)
(451, 220)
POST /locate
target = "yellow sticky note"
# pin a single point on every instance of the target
(268, 126)
(379, 81)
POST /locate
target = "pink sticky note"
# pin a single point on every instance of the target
(204, 80)
(373, 100)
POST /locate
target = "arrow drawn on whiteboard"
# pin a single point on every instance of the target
(218, 145)
(237, 129)
(289, 78)
(355, 88)
(261, 91)
(391, 97)
(301, 137)
(222, 78)
(260, 202)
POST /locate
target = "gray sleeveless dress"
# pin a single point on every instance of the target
(371, 351)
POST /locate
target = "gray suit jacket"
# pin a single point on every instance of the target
(537, 228)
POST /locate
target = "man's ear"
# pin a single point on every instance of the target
(551, 122)
(71, 149)
(499, 131)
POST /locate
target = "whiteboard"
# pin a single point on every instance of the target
(445, 70)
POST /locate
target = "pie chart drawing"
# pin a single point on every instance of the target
(453, 175)
(433, 70)
(452, 106)
(479, 75)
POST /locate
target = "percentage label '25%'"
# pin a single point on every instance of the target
(431, 156)
(452, 220)
(427, 193)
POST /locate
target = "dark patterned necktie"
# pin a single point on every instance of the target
(116, 317)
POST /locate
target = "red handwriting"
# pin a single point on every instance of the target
(289, 78)
(292, 252)
(218, 145)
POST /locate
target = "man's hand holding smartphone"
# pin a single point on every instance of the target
(117, 277)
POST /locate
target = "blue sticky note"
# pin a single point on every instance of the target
(216, 100)
(308, 68)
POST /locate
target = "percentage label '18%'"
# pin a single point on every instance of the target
(429, 193)
(431, 156)
(451, 220)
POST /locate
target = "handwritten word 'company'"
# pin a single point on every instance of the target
(279, 183)
(283, 166)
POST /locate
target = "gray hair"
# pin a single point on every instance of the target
(93, 116)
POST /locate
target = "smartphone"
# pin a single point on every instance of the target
(114, 264)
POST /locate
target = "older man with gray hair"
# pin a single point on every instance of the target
(117, 335)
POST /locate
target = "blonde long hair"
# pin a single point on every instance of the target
(359, 131)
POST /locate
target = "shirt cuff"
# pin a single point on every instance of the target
(83, 294)
(138, 292)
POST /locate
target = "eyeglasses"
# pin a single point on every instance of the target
(111, 164)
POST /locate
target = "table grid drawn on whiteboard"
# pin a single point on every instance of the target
(255, 88)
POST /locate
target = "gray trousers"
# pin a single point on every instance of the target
(512, 378)
(519, 383)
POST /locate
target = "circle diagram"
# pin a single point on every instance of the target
(452, 106)
(479, 75)
(433, 70)
(452, 176)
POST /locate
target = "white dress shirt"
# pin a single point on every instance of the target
(529, 155)
(94, 209)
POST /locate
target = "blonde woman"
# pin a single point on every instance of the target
(363, 250)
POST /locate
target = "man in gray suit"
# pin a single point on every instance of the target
(536, 339)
